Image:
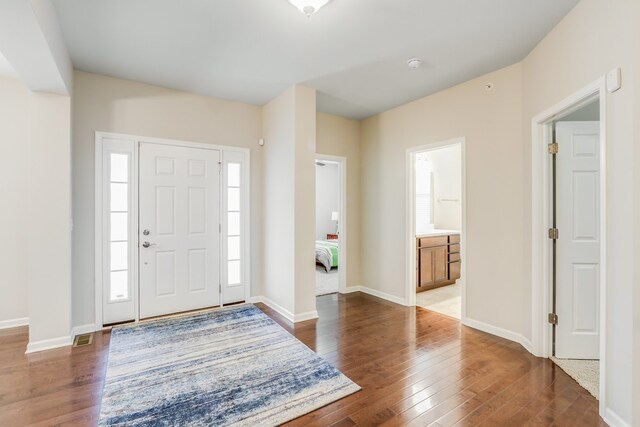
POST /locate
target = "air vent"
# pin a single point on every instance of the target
(83, 340)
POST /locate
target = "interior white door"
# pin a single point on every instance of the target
(179, 199)
(578, 245)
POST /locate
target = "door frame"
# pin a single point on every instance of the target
(100, 225)
(342, 215)
(410, 223)
(541, 296)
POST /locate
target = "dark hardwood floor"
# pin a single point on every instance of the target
(415, 368)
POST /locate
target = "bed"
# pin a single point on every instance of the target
(327, 253)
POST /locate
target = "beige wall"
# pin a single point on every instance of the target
(14, 104)
(49, 220)
(491, 122)
(278, 205)
(305, 201)
(338, 136)
(112, 105)
(289, 128)
(593, 39)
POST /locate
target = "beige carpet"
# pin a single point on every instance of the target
(326, 283)
(445, 300)
(585, 372)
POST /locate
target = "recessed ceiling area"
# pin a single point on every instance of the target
(353, 52)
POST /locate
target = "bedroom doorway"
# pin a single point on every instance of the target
(330, 224)
(436, 227)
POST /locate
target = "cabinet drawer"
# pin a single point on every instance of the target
(454, 238)
(427, 242)
(454, 270)
(454, 257)
(454, 248)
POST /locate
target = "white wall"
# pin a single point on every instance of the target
(113, 105)
(327, 199)
(14, 104)
(289, 129)
(447, 184)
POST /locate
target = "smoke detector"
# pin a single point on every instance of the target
(414, 63)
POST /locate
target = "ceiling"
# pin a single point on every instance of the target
(353, 52)
(6, 70)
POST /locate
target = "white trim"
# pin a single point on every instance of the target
(277, 307)
(14, 323)
(497, 331)
(310, 315)
(83, 329)
(540, 251)
(383, 295)
(343, 222)
(99, 196)
(613, 419)
(350, 289)
(49, 344)
(283, 311)
(410, 284)
(165, 141)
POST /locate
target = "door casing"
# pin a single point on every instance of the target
(541, 277)
(99, 244)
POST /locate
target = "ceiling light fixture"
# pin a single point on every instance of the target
(309, 7)
(414, 63)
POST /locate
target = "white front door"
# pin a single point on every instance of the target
(578, 244)
(179, 209)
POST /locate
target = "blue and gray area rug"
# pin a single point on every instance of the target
(231, 366)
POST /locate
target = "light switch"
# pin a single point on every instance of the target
(614, 80)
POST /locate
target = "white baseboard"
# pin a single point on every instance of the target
(284, 312)
(351, 289)
(83, 329)
(383, 295)
(613, 419)
(310, 315)
(49, 344)
(497, 331)
(14, 323)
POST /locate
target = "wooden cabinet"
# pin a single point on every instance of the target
(437, 261)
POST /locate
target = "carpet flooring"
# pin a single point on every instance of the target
(585, 372)
(326, 283)
(231, 366)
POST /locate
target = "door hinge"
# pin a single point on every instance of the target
(553, 318)
(554, 233)
(219, 287)
(553, 148)
(219, 228)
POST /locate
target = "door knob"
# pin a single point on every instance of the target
(147, 244)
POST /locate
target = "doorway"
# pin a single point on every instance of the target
(569, 236)
(331, 236)
(575, 244)
(172, 227)
(436, 229)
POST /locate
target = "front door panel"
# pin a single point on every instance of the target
(179, 229)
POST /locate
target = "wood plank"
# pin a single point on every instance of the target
(416, 367)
